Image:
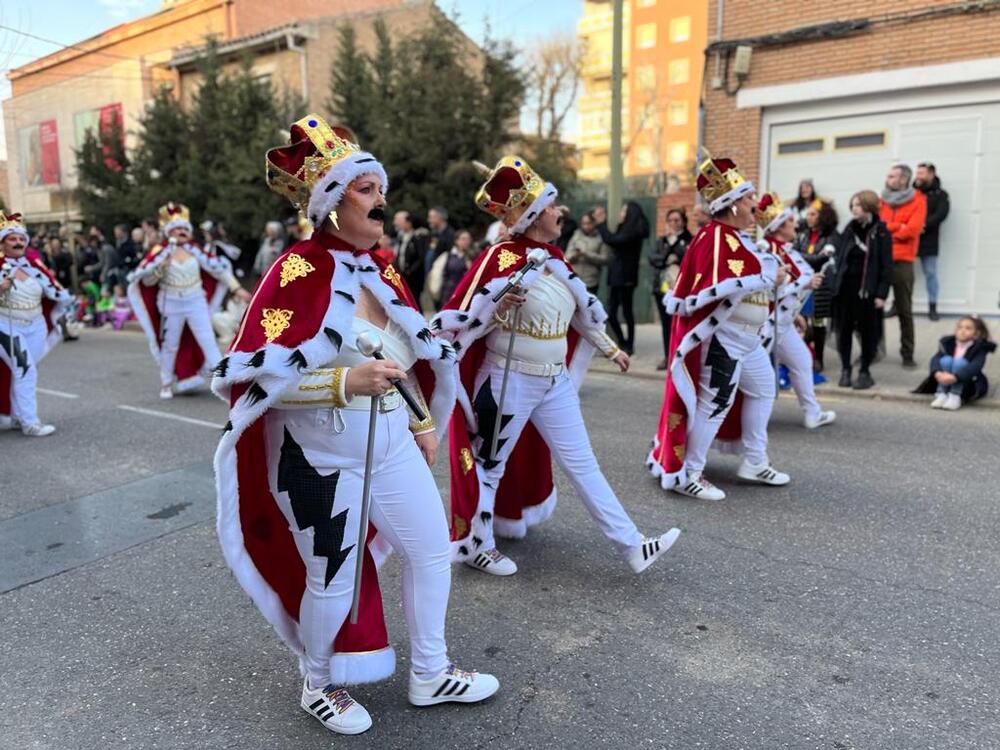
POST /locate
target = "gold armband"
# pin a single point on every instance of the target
(323, 387)
(426, 425)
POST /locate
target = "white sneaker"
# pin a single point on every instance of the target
(700, 488)
(939, 399)
(452, 685)
(166, 392)
(643, 555)
(493, 561)
(37, 430)
(335, 709)
(763, 474)
(953, 402)
(825, 417)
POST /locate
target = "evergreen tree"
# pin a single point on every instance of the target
(160, 161)
(352, 89)
(106, 185)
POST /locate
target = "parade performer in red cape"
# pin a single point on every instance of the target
(290, 466)
(720, 303)
(778, 225)
(555, 325)
(174, 291)
(31, 304)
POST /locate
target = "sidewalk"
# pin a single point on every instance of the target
(892, 382)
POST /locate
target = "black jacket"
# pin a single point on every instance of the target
(975, 384)
(877, 276)
(626, 246)
(937, 211)
(664, 254)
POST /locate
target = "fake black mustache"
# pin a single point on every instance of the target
(377, 214)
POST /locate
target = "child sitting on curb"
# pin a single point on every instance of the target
(957, 367)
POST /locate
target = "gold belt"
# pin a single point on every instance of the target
(10, 306)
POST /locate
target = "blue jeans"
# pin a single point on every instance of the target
(929, 266)
(952, 365)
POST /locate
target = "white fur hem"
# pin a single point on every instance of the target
(725, 201)
(532, 212)
(510, 528)
(358, 668)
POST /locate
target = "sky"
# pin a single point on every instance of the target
(70, 21)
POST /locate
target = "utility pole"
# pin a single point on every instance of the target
(616, 178)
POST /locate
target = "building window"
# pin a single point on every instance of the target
(677, 152)
(861, 140)
(800, 147)
(679, 71)
(645, 158)
(680, 29)
(645, 36)
(677, 113)
(645, 77)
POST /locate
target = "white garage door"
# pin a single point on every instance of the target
(846, 154)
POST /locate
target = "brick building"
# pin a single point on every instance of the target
(840, 92)
(56, 99)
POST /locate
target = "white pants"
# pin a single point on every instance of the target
(175, 312)
(794, 354)
(753, 375)
(553, 406)
(29, 340)
(406, 508)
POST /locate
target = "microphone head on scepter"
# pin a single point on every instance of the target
(537, 256)
(369, 344)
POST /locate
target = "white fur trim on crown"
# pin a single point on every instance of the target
(176, 223)
(6, 231)
(779, 220)
(745, 188)
(532, 212)
(330, 188)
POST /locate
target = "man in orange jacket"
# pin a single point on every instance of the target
(904, 211)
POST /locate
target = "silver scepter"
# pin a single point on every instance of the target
(369, 344)
(536, 258)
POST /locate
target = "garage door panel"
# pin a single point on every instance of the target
(964, 144)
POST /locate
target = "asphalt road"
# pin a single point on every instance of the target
(856, 608)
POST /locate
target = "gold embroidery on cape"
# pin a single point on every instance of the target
(506, 259)
(274, 321)
(392, 276)
(734, 244)
(465, 456)
(679, 451)
(461, 527)
(736, 266)
(295, 267)
(673, 419)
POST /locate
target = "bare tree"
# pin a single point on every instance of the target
(553, 78)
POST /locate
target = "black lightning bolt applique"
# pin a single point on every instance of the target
(20, 355)
(723, 368)
(485, 408)
(312, 504)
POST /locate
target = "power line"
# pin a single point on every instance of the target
(65, 46)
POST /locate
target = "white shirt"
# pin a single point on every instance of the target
(23, 300)
(182, 278)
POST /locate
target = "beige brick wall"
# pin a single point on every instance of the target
(736, 132)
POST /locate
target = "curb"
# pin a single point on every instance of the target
(872, 394)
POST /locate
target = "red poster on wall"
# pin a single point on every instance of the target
(48, 141)
(110, 118)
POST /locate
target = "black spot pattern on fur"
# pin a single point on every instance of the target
(257, 359)
(477, 542)
(713, 292)
(446, 351)
(476, 322)
(346, 296)
(349, 266)
(463, 550)
(424, 334)
(695, 338)
(462, 317)
(222, 368)
(727, 302)
(435, 324)
(335, 338)
(572, 276)
(713, 321)
(365, 160)
(298, 359)
(255, 394)
(482, 290)
(228, 427)
(485, 516)
(739, 283)
(402, 303)
(332, 186)
(457, 346)
(368, 269)
(591, 301)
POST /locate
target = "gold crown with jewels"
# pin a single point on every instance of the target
(172, 212)
(719, 179)
(511, 188)
(11, 223)
(315, 148)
